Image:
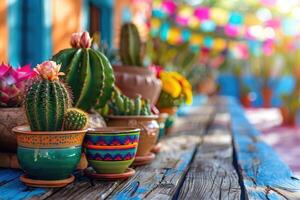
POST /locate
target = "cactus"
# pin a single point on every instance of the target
(47, 99)
(13, 83)
(88, 73)
(75, 119)
(122, 105)
(130, 45)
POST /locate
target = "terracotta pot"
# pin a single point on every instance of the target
(138, 80)
(171, 111)
(267, 96)
(49, 155)
(288, 119)
(10, 118)
(245, 100)
(149, 130)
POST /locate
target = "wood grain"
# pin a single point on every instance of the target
(212, 175)
(265, 176)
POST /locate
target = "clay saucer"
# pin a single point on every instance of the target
(143, 160)
(46, 183)
(109, 177)
(156, 148)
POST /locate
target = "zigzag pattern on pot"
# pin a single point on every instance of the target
(109, 157)
(112, 141)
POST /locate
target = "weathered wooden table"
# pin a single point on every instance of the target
(213, 153)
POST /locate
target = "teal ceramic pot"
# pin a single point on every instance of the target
(49, 164)
(112, 136)
(111, 150)
(48, 155)
(162, 122)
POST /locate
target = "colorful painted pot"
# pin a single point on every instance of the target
(111, 150)
(171, 111)
(112, 136)
(162, 123)
(149, 130)
(110, 159)
(48, 155)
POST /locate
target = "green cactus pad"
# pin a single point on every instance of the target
(75, 119)
(130, 45)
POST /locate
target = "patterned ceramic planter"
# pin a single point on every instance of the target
(149, 130)
(48, 155)
(171, 111)
(162, 124)
(10, 118)
(111, 150)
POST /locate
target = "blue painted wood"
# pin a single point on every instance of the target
(106, 8)
(15, 190)
(265, 175)
(14, 29)
(36, 31)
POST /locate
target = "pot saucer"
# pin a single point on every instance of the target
(109, 177)
(143, 160)
(156, 148)
(46, 183)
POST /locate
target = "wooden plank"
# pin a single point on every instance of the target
(212, 175)
(265, 175)
(163, 177)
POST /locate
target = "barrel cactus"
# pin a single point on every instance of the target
(87, 72)
(47, 99)
(75, 119)
(130, 45)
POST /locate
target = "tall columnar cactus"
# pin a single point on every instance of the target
(88, 72)
(75, 119)
(47, 99)
(130, 45)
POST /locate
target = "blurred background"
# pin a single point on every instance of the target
(248, 49)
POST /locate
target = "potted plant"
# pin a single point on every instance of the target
(50, 147)
(88, 73)
(176, 90)
(12, 87)
(290, 106)
(136, 114)
(132, 78)
(111, 150)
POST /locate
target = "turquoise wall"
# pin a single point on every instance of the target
(30, 34)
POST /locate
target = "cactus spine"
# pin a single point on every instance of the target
(88, 73)
(75, 119)
(47, 99)
(130, 45)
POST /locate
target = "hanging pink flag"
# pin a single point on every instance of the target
(273, 23)
(202, 13)
(169, 6)
(268, 2)
(231, 30)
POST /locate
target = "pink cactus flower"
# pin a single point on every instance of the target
(49, 70)
(13, 83)
(75, 40)
(85, 40)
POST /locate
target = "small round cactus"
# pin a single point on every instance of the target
(75, 119)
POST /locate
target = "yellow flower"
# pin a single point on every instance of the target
(171, 86)
(189, 96)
